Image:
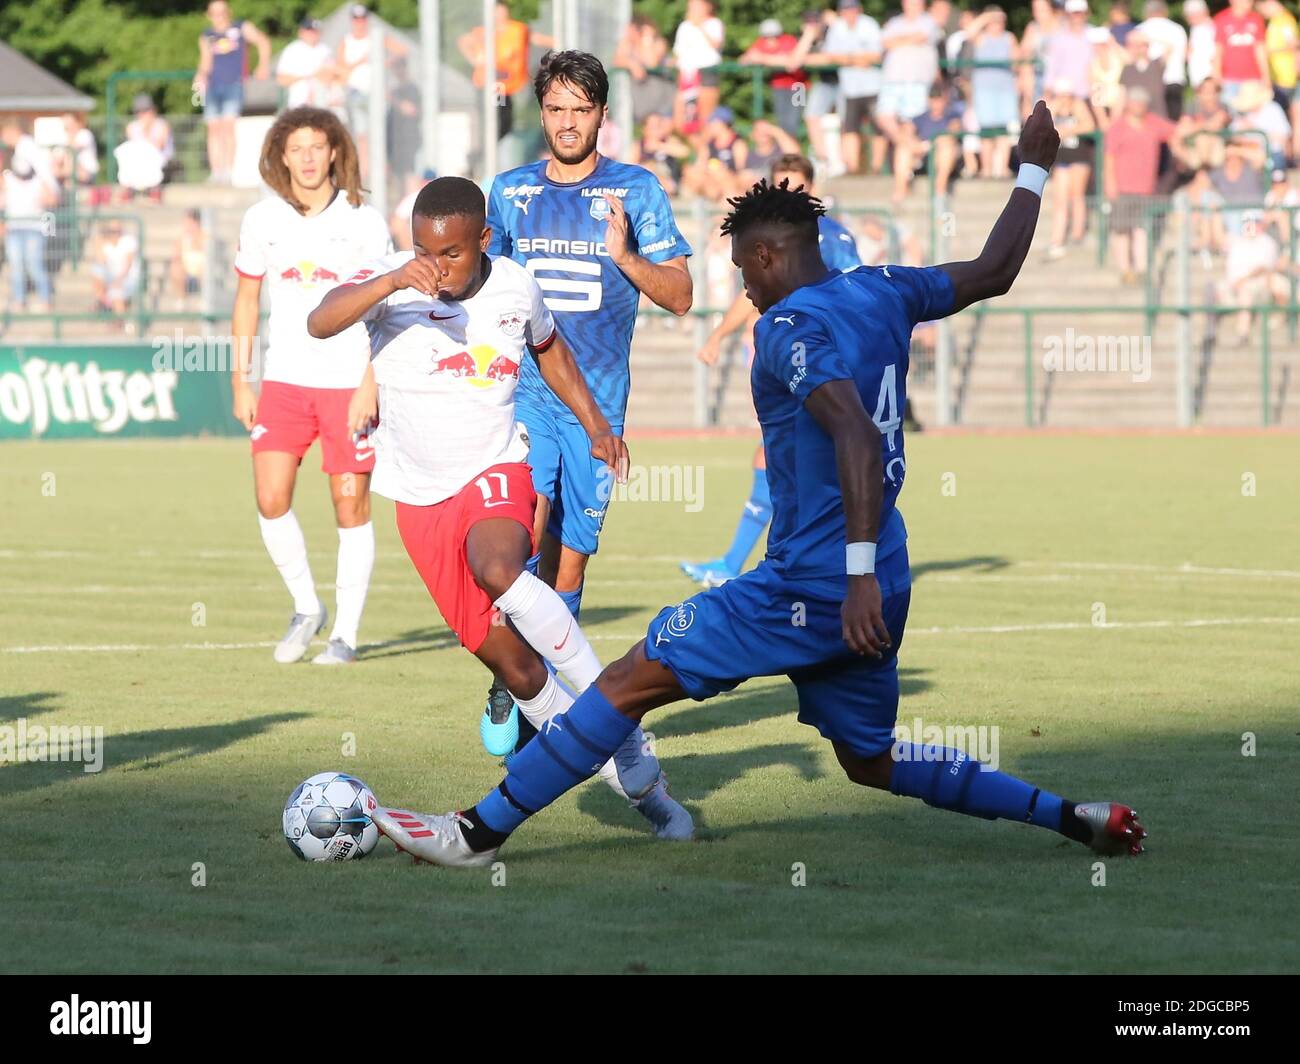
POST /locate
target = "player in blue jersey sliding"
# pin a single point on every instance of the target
(596, 234)
(829, 381)
(839, 252)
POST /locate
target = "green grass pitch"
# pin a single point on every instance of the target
(1187, 547)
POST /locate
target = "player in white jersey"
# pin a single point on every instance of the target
(449, 328)
(301, 242)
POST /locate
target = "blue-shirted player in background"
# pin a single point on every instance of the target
(596, 234)
(828, 605)
(839, 252)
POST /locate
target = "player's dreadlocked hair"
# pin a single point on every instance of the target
(766, 202)
(345, 171)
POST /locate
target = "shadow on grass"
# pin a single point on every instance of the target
(984, 563)
(137, 751)
(14, 707)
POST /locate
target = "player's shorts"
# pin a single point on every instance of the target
(291, 416)
(764, 623)
(434, 537)
(578, 485)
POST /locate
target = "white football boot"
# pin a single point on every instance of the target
(302, 629)
(434, 839)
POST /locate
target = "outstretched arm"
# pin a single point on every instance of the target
(1004, 252)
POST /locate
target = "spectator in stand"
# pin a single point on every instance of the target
(768, 143)
(662, 150)
(993, 90)
(399, 223)
(1240, 55)
(1205, 218)
(773, 48)
(1033, 45)
(1074, 159)
(697, 47)
(1132, 163)
(1067, 51)
(403, 127)
(1283, 202)
(1282, 42)
(1168, 42)
(1255, 273)
(1239, 182)
(78, 165)
(1108, 63)
(1142, 72)
(28, 192)
(1202, 42)
(922, 135)
(114, 268)
(143, 158)
(189, 260)
(223, 63)
(1257, 109)
(853, 42)
(352, 61)
(823, 89)
(513, 39)
(305, 68)
(1199, 129)
(717, 171)
(1120, 23)
(910, 67)
(641, 51)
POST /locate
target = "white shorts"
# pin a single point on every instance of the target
(903, 99)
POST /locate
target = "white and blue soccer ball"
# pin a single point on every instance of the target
(327, 818)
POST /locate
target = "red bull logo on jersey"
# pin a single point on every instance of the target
(309, 275)
(482, 366)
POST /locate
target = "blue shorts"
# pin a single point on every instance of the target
(577, 485)
(224, 101)
(766, 624)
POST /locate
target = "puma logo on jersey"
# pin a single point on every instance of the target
(784, 317)
(885, 271)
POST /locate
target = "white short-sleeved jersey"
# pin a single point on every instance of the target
(447, 373)
(301, 259)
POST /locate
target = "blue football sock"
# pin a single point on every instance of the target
(571, 748)
(572, 599)
(948, 779)
(753, 519)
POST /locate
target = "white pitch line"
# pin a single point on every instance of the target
(623, 637)
(1186, 569)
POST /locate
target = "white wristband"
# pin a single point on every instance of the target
(860, 558)
(1033, 178)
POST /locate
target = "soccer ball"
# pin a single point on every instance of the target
(327, 818)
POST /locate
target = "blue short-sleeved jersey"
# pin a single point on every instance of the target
(839, 249)
(851, 326)
(557, 232)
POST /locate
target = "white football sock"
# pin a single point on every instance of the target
(356, 560)
(555, 698)
(548, 627)
(288, 550)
